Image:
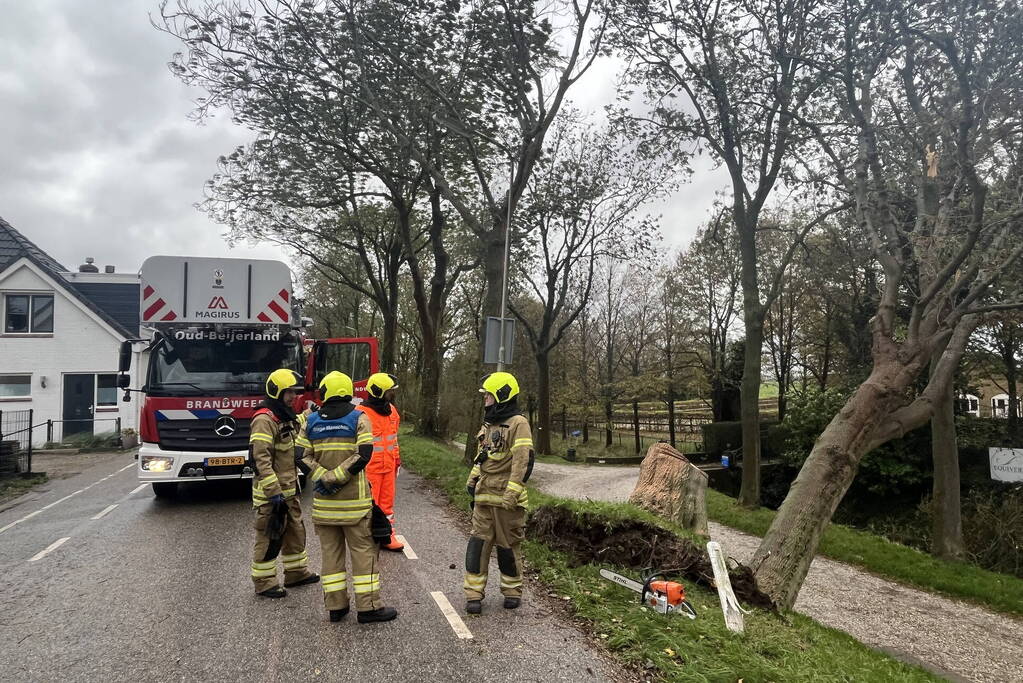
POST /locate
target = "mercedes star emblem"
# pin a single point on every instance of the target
(225, 426)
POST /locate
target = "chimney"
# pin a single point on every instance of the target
(108, 269)
(88, 267)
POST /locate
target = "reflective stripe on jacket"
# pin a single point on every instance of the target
(272, 450)
(509, 448)
(330, 448)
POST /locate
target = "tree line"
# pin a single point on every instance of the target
(868, 236)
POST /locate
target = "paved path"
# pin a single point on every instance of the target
(951, 638)
(159, 590)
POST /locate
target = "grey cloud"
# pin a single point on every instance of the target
(98, 157)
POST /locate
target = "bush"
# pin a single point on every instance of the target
(86, 440)
(719, 437)
(992, 528)
(900, 467)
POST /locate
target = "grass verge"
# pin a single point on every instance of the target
(880, 556)
(11, 488)
(786, 647)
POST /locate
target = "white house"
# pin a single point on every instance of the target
(60, 335)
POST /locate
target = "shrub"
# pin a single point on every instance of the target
(992, 528)
(899, 467)
(87, 440)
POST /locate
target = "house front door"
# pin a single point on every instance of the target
(79, 403)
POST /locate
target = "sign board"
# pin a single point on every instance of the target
(491, 351)
(1006, 464)
(189, 290)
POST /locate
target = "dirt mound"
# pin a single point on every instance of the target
(589, 538)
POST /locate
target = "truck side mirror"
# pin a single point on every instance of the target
(124, 360)
(123, 381)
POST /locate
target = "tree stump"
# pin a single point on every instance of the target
(673, 488)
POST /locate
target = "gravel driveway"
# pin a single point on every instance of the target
(948, 637)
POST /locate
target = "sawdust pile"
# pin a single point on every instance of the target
(588, 538)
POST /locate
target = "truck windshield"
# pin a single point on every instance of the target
(217, 367)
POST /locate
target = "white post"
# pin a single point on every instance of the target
(729, 603)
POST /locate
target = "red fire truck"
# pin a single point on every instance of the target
(213, 329)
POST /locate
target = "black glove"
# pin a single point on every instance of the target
(323, 488)
(277, 500)
(471, 490)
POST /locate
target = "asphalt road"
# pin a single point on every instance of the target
(160, 590)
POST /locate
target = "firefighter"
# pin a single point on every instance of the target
(338, 443)
(382, 470)
(274, 485)
(503, 464)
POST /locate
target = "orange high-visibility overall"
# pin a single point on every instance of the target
(382, 470)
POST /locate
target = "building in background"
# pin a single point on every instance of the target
(60, 335)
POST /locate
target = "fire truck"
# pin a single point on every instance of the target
(212, 330)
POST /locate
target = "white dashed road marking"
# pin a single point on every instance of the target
(105, 511)
(58, 502)
(49, 549)
(409, 553)
(457, 625)
(137, 489)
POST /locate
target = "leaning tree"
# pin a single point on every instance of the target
(922, 129)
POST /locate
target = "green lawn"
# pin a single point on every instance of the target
(880, 556)
(785, 647)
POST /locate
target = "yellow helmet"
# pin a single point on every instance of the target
(336, 384)
(501, 385)
(378, 384)
(280, 380)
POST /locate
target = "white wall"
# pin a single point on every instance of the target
(80, 343)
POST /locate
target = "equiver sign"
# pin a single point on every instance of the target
(1006, 464)
(182, 290)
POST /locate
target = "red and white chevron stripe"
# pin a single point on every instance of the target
(278, 307)
(155, 308)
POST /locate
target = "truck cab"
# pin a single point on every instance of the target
(208, 362)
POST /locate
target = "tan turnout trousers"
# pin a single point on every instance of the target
(506, 530)
(290, 547)
(365, 576)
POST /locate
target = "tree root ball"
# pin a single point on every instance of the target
(589, 538)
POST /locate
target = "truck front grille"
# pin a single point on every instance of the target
(198, 435)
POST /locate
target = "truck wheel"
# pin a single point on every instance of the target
(167, 489)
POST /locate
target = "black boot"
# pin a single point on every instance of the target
(312, 578)
(275, 592)
(338, 614)
(473, 607)
(382, 614)
(512, 603)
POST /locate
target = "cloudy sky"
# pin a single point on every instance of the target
(98, 156)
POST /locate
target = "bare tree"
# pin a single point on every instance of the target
(729, 76)
(581, 207)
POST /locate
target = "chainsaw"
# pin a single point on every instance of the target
(656, 592)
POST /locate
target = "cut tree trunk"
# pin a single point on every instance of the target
(672, 487)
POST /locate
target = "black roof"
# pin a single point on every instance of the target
(14, 245)
(116, 303)
(118, 300)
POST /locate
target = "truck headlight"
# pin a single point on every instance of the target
(156, 463)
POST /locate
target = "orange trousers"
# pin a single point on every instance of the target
(382, 472)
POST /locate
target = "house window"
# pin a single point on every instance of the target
(106, 391)
(28, 314)
(15, 386)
